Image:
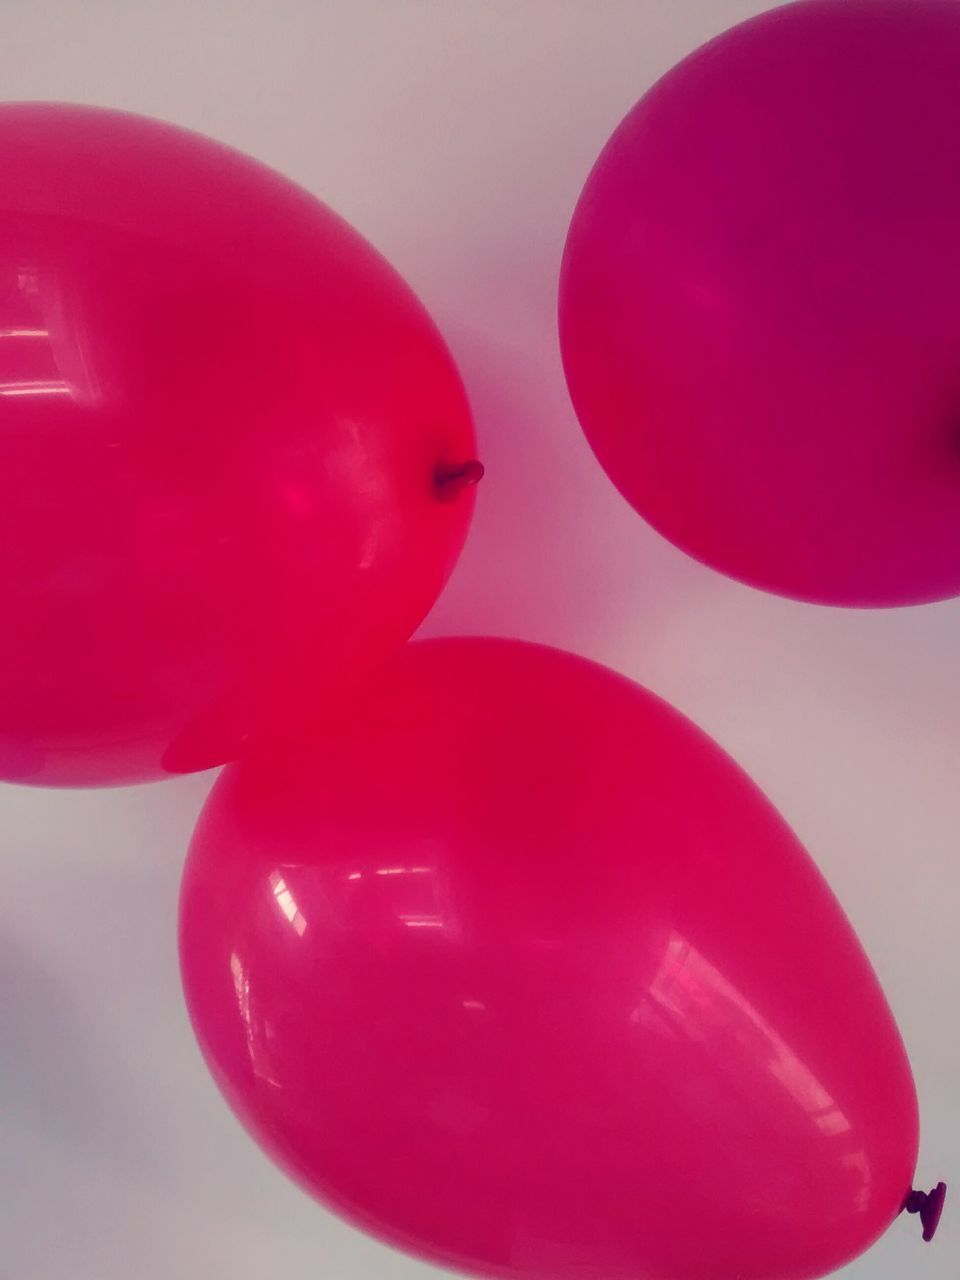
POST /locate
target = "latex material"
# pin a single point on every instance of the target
(520, 972)
(228, 433)
(758, 303)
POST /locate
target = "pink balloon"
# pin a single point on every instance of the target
(758, 303)
(233, 450)
(518, 971)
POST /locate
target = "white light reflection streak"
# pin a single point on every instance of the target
(259, 1055)
(286, 903)
(698, 998)
(34, 389)
(241, 986)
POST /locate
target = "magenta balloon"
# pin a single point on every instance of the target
(518, 971)
(758, 302)
(234, 450)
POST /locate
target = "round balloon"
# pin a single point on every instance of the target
(518, 971)
(235, 455)
(758, 310)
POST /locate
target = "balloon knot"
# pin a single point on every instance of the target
(929, 1205)
(451, 480)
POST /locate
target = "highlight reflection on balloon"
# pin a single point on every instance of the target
(758, 311)
(517, 970)
(235, 455)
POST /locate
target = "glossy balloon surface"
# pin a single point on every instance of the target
(229, 441)
(758, 303)
(520, 972)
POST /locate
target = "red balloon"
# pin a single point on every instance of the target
(517, 970)
(758, 303)
(234, 451)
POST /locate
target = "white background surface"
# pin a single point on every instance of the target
(456, 135)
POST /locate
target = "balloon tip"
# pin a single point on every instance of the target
(451, 480)
(929, 1205)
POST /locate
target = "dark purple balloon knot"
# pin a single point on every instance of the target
(929, 1205)
(451, 480)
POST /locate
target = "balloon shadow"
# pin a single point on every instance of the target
(555, 553)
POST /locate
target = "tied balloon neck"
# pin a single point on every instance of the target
(929, 1205)
(450, 479)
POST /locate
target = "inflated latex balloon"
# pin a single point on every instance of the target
(518, 971)
(758, 305)
(234, 452)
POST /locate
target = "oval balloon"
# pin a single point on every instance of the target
(519, 972)
(758, 311)
(234, 451)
